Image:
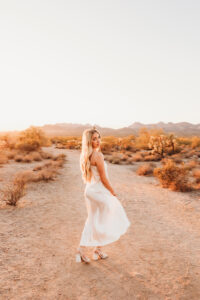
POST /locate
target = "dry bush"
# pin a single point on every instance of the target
(196, 175)
(46, 155)
(146, 169)
(19, 158)
(35, 156)
(43, 166)
(45, 172)
(49, 170)
(8, 141)
(3, 158)
(114, 160)
(190, 153)
(61, 156)
(13, 192)
(152, 157)
(68, 142)
(177, 160)
(10, 154)
(127, 143)
(195, 142)
(137, 157)
(172, 176)
(27, 158)
(184, 141)
(191, 165)
(32, 139)
(125, 157)
(26, 176)
(143, 138)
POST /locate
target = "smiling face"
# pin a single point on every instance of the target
(96, 140)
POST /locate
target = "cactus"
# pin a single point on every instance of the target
(161, 143)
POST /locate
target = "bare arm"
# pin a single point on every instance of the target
(102, 173)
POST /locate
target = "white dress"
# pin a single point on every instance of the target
(106, 220)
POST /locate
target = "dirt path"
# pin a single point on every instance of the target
(157, 259)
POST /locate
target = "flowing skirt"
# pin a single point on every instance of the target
(107, 219)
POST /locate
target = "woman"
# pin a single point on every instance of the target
(106, 220)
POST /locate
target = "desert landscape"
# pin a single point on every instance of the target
(43, 213)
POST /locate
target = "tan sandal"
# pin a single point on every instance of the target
(80, 257)
(98, 254)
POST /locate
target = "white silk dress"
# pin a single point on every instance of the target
(106, 220)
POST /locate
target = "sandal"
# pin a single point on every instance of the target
(80, 257)
(99, 254)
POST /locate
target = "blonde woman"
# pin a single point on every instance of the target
(106, 220)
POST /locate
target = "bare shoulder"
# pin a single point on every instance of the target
(96, 157)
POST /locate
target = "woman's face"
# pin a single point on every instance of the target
(96, 140)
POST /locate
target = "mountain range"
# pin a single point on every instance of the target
(75, 129)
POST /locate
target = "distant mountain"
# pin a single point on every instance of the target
(75, 129)
(180, 129)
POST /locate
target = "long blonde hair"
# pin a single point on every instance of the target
(86, 152)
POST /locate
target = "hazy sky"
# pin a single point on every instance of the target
(103, 62)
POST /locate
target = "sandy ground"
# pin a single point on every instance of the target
(158, 257)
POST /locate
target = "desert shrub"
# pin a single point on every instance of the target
(146, 169)
(3, 158)
(191, 165)
(25, 176)
(115, 158)
(61, 156)
(196, 175)
(67, 142)
(195, 142)
(32, 139)
(142, 141)
(10, 154)
(46, 155)
(184, 141)
(27, 158)
(172, 176)
(19, 158)
(36, 156)
(8, 141)
(13, 192)
(152, 157)
(190, 153)
(137, 157)
(127, 143)
(177, 160)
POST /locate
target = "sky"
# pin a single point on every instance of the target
(108, 62)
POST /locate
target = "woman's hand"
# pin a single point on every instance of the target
(113, 193)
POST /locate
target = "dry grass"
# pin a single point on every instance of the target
(146, 169)
(45, 172)
(173, 177)
(13, 192)
(32, 156)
